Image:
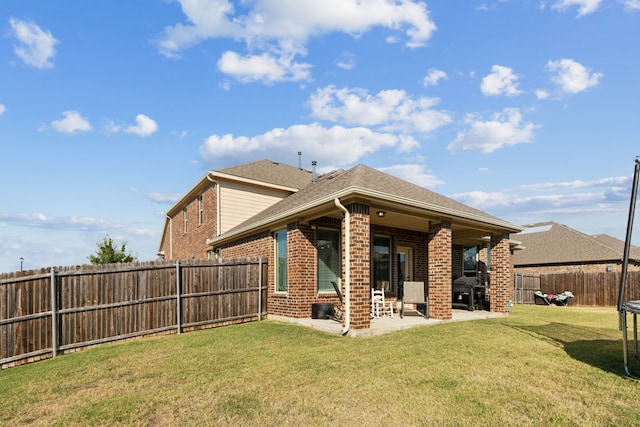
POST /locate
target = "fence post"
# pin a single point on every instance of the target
(54, 315)
(178, 299)
(260, 289)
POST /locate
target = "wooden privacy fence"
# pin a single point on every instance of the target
(61, 310)
(524, 287)
(589, 289)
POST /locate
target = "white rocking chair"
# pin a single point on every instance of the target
(379, 307)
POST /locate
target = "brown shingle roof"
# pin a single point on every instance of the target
(553, 243)
(362, 178)
(270, 172)
(617, 245)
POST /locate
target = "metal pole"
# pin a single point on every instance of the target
(260, 290)
(627, 245)
(54, 315)
(178, 299)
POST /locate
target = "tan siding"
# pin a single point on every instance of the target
(239, 202)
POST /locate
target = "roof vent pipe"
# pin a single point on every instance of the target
(300, 160)
(314, 177)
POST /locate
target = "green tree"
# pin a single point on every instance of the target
(108, 253)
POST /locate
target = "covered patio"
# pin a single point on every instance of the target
(385, 325)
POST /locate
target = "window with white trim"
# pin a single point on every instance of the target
(184, 218)
(329, 258)
(281, 261)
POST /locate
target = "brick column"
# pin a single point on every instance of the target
(439, 271)
(360, 265)
(501, 276)
(301, 253)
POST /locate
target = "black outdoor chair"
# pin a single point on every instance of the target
(339, 309)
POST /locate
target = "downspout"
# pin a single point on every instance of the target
(347, 261)
(170, 236)
(217, 204)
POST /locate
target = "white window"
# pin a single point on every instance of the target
(329, 259)
(281, 261)
(184, 218)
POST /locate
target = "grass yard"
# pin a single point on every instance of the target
(539, 366)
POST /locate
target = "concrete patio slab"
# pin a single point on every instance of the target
(388, 324)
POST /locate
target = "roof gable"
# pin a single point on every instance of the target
(367, 181)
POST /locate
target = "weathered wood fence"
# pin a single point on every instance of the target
(589, 289)
(45, 313)
(524, 287)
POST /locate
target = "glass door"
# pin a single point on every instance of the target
(405, 267)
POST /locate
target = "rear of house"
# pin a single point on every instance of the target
(361, 228)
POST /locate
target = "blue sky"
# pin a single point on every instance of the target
(111, 110)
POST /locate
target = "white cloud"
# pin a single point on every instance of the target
(111, 127)
(2, 109)
(275, 32)
(631, 4)
(504, 129)
(164, 197)
(416, 174)
(317, 142)
(604, 182)
(145, 126)
(347, 61)
(35, 46)
(563, 202)
(180, 135)
(73, 122)
(433, 77)
(264, 67)
(585, 7)
(571, 76)
(390, 110)
(40, 220)
(501, 81)
(542, 94)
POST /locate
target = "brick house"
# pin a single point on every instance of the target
(361, 227)
(549, 247)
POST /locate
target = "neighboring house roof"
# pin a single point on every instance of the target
(552, 243)
(618, 245)
(380, 190)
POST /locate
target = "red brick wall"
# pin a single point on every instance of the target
(501, 290)
(259, 246)
(302, 289)
(440, 270)
(301, 268)
(193, 242)
(360, 265)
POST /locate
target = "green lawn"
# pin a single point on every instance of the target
(538, 366)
